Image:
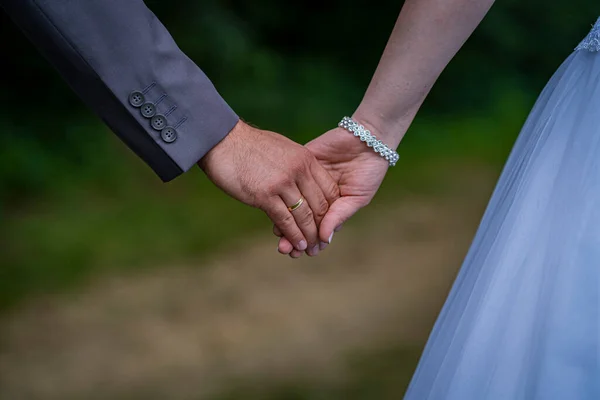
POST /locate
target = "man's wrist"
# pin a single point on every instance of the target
(224, 146)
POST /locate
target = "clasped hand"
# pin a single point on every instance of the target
(335, 174)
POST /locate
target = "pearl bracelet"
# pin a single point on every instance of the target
(365, 136)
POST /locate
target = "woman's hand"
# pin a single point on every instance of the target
(357, 170)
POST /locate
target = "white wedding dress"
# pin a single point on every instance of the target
(522, 320)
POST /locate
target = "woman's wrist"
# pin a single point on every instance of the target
(390, 130)
(368, 138)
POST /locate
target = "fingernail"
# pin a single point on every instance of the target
(339, 228)
(302, 245)
(314, 251)
(331, 236)
(322, 245)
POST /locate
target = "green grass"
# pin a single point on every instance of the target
(55, 244)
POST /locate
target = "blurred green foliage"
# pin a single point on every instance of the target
(72, 201)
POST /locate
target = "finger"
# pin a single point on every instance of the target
(328, 185)
(284, 246)
(304, 218)
(339, 212)
(296, 254)
(283, 219)
(315, 197)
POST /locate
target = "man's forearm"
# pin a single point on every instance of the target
(427, 35)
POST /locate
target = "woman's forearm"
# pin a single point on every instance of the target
(427, 34)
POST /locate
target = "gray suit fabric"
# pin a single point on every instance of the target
(105, 50)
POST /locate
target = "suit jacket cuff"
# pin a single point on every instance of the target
(111, 52)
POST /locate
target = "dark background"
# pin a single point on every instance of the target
(77, 208)
(277, 64)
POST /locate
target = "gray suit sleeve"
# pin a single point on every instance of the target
(123, 63)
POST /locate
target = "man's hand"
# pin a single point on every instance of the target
(357, 170)
(270, 172)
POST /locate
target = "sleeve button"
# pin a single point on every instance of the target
(158, 122)
(136, 98)
(169, 134)
(148, 110)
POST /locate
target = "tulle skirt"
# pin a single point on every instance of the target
(522, 320)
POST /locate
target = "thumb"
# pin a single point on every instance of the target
(339, 212)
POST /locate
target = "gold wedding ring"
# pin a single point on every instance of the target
(296, 205)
